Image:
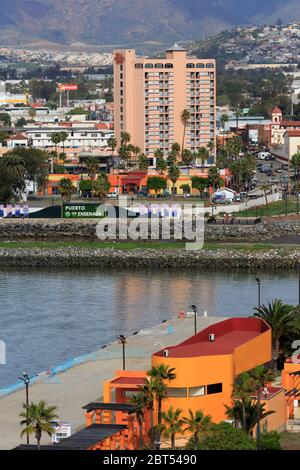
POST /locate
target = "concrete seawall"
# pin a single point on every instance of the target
(218, 259)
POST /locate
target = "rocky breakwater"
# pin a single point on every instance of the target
(51, 229)
(218, 259)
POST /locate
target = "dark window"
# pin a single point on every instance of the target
(169, 66)
(148, 66)
(200, 66)
(159, 66)
(209, 66)
(214, 388)
(190, 66)
(138, 66)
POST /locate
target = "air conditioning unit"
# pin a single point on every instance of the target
(166, 353)
(211, 337)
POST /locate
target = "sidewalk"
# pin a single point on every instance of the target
(76, 387)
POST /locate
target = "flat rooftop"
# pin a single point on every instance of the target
(229, 334)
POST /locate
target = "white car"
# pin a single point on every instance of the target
(114, 194)
(263, 155)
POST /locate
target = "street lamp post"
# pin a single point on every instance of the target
(194, 308)
(122, 340)
(26, 379)
(258, 290)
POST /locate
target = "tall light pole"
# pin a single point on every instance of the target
(258, 290)
(122, 340)
(26, 379)
(194, 308)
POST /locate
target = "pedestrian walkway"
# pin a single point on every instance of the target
(72, 389)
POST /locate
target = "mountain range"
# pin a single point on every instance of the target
(131, 22)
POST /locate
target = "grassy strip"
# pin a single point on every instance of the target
(130, 245)
(275, 208)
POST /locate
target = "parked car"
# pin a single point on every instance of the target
(263, 155)
(279, 170)
(113, 194)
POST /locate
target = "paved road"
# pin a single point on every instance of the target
(70, 390)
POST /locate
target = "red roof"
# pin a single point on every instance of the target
(293, 133)
(290, 124)
(229, 334)
(129, 381)
(276, 110)
(18, 137)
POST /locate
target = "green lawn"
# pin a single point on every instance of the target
(130, 245)
(275, 208)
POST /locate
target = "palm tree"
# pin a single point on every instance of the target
(254, 413)
(161, 164)
(66, 189)
(13, 167)
(138, 401)
(188, 158)
(37, 419)
(172, 424)
(173, 175)
(224, 119)
(160, 375)
(202, 155)
(125, 138)
(92, 167)
(175, 150)
(112, 144)
(196, 423)
(148, 392)
(185, 117)
(56, 139)
(101, 186)
(63, 138)
(242, 390)
(280, 317)
(32, 112)
(265, 188)
(143, 162)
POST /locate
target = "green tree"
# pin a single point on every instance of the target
(173, 175)
(199, 183)
(147, 390)
(32, 112)
(243, 388)
(281, 318)
(161, 164)
(214, 178)
(12, 178)
(66, 189)
(185, 117)
(156, 183)
(5, 118)
(223, 120)
(36, 419)
(197, 423)
(112, 144)
(35, 162)
(175, 150)
(125, 138)
(223, 436)
(21, 122)
(143, 162)
(188, 158)
(92, 167)
(172, 424)
(101, 186)
(295, 164)
(63, 138)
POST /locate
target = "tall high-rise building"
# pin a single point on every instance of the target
(151, 94)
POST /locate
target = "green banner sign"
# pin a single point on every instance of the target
(81, 211)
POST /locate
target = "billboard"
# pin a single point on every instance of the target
(74, 211)
(67, 87)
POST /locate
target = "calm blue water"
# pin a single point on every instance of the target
(49, 316)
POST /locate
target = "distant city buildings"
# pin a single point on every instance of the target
(150, 95)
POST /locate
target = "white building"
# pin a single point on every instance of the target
(78, 137)
(18, 140)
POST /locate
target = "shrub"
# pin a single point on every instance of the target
(224, 436)
(270, 441)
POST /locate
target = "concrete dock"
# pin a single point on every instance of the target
(79, 385)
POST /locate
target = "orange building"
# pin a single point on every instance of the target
(207, 363)
(151, 93)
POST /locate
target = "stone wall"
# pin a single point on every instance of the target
(219, 259)
(86, 230)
